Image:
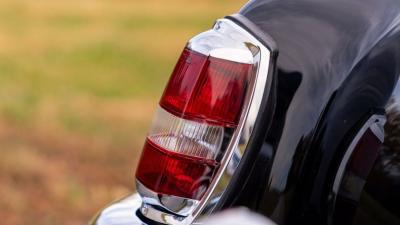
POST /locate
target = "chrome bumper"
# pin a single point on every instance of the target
(122, 212)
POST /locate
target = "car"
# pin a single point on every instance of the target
(288, 108)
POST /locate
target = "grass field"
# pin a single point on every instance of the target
(79, 81)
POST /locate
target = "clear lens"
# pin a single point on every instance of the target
(186, 137)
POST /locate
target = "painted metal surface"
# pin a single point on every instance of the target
(338, 64)
(377, 201)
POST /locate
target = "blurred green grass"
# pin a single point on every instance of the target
(79, 81)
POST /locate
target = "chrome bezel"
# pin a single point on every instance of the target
(376, 124)
(226, 40)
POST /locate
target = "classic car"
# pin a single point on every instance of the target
(290, 108)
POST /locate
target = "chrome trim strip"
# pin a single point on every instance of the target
(229, 41)
(159, 215)
(261, 57)
(231, 54)
(378, 130)
(375, 123)
(173, 204)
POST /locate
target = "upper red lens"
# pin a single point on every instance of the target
(207, 89)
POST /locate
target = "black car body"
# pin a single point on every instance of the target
(325, 148)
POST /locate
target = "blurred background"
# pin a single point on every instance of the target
(79, 81)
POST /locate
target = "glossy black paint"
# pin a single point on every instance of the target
(378, 201)
(339, 62)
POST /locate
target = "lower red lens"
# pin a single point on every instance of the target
(175, 174)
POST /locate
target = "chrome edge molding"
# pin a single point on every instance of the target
(375, 123)
(226, 40)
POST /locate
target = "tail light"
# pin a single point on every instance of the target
(203, 98)
(213, 94)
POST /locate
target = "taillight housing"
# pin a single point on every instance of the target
(209, 104)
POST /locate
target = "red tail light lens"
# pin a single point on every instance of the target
(207, 89)
(179, 156)
(203, 97)
(173, 173)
